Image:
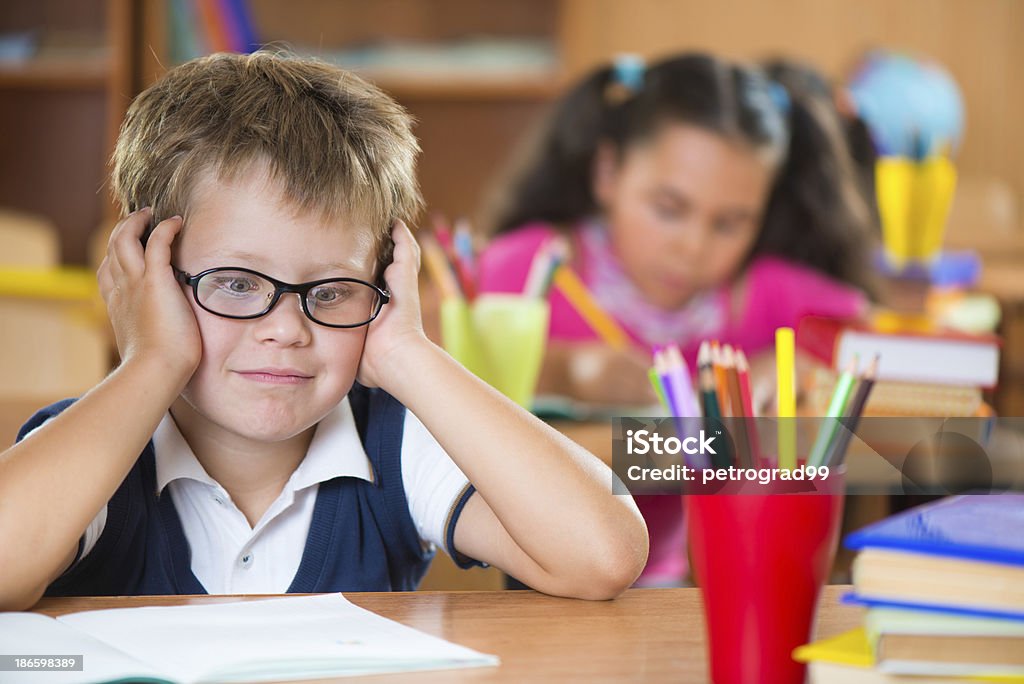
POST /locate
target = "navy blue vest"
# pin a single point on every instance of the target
(361, 538)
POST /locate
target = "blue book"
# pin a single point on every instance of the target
(963, 554)
(242, 16)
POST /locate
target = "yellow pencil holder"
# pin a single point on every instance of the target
(500, 338)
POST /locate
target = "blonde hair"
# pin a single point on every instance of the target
(336, 144)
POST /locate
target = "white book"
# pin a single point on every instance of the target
(302, 637)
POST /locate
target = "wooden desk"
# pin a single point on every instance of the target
(646, 634)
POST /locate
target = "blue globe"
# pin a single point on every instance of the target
(912, 107)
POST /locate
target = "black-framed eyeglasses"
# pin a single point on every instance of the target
(243, 293)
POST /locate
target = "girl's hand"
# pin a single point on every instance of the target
(598, 373)
(399, 326)
(148, 310)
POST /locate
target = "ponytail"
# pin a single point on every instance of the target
(819, 213)
(556, 188)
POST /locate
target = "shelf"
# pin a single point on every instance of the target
(462, 87)
(90, 73)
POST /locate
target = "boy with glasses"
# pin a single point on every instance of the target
(262, 284)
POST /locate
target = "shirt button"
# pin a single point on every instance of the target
(218, 499)
(246, 560)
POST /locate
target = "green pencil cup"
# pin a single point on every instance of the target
(500, 338)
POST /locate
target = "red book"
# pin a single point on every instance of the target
(938, 356)
(213, 24)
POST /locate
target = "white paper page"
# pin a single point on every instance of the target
(299, 637)
(34, 634)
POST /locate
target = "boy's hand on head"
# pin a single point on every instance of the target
(148, 310)
(399, 323)
(601, 374)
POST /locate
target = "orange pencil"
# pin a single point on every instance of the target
(721, 380)
(744, 457)
(570, 285)
(440, 270)
(732, 381)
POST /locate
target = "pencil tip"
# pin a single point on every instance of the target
(703, 354)
(851, 367)
(728, 359)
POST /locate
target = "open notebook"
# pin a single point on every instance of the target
(302, 637)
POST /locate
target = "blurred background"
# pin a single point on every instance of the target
(475, 74)
(478, 77)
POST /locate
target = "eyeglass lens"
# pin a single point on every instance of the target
(242, 294)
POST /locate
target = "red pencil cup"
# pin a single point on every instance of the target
(760, 561)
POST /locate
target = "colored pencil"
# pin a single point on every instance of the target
(721, 380)
(538, 273)
(712, 412)
(559, 251)
(443, 232)
(744, 455)
(682, 382)
(851, 417)
(655, 380)
(661, 365)
(576, 293)
(438, 266)
(828, 431)
(463, 258)
(732, 381)
(706, 381)
(785, 375)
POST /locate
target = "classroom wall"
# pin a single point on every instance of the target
(981, 42)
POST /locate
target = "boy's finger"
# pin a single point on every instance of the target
(158, 249)
(124, 247)
(404, 240)
(132, 226)
(397, 226)
(134, 222)
(401, 234)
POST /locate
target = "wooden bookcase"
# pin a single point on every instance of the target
(468, 123)
(60, 110)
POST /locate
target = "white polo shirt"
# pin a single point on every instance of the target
(230, 557)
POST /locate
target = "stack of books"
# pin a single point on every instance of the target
(924, 370)
(944, 587)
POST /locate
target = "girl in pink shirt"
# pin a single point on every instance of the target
(701, 201)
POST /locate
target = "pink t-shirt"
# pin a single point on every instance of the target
(778, 293)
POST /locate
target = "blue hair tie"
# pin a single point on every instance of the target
(780, 96)
(628, 70)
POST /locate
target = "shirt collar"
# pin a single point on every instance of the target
(335, 451)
